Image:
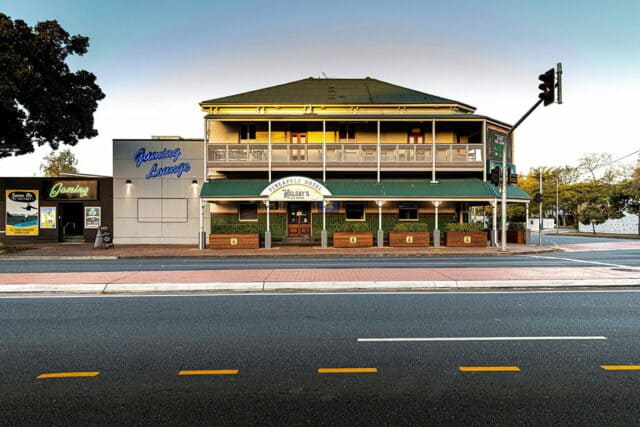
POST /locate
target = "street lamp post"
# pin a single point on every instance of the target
(540, 213)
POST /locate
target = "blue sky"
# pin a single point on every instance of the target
(155, 63)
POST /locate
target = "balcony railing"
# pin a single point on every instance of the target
(344, 155)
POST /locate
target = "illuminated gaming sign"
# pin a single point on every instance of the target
(142, 156)
(71, 190)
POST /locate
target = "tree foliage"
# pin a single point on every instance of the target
(597, 190)
(56, 164)
(626, 195)
(597, 206)
(41, 100)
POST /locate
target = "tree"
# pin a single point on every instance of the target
(608, 169)
(64, 162)
(41, 100)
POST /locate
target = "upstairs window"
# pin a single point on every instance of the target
(248, 132)
(407, 211)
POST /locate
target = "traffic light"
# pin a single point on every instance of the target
(495, 176)
(512, 177)
(547, 87)
(537, 198)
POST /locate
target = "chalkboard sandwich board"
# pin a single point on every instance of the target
(107, 241)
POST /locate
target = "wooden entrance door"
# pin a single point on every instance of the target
(299, 219)
(298, 145)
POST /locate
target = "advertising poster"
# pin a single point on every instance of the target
(48, 217)
(91, 217)
(22, 213)
(496, 140)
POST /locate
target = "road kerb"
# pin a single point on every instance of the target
(337, 286)
(118, 288)
(78, 288)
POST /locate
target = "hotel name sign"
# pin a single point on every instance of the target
(296, 188)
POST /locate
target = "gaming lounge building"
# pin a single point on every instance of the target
(49, 210)
(294, 163)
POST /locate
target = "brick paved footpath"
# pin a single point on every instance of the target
(439, 276)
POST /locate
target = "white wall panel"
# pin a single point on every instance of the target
(133, 228)
(175, 211)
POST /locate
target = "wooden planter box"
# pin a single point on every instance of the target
(467, 238)
(234, 241)
(515, 236)
(356, 239)
(409, 238)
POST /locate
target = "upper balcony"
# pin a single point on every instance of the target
(446, 144)
(448, 157)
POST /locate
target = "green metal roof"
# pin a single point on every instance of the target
(469, 188)
(334, 91)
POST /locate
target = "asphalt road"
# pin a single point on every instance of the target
(277, 343)
(550, 238)
(614, 258)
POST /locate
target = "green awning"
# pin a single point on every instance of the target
(452, 189)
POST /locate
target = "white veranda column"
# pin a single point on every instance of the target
(380, 237)
(267, 234)
(436, 230)
(323, 233)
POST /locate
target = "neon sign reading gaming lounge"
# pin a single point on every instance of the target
(142, 156)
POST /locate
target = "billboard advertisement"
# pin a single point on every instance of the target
(22, 213)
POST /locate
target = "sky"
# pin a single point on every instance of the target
(156, 61)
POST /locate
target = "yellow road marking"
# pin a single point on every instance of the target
(621, 367)
(347, 370)
(68, 375)
(210, 372)
(489, 369)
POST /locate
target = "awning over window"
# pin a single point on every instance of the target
(468, 189)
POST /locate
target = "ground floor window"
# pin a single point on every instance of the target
(248, 212)
(408, 211)
(354, 211)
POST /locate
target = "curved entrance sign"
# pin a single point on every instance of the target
(295, 188)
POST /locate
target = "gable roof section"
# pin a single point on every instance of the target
(334, 91)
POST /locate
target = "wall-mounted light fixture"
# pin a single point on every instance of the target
(128, 181)
(194, 181)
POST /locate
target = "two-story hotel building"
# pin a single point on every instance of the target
(298, 161)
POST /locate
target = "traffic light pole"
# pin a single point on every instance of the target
(503, 187)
